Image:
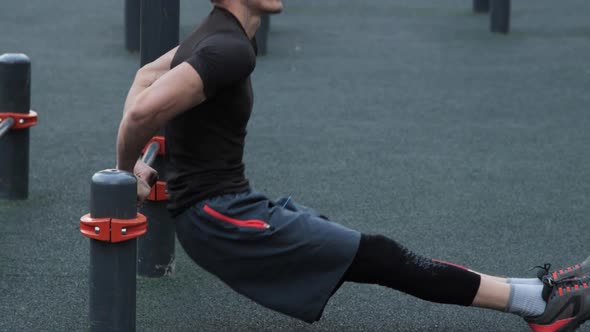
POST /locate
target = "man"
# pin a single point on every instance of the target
(201, 93)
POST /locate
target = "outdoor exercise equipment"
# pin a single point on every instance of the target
(132, 25)
(262, 35)
(15, 120)
(481, 6)
(499, 13)
(159, 34)
(113, 226)
(156, 249)
(500, 16)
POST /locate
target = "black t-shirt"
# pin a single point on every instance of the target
(205, 145)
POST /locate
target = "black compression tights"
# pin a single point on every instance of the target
(380, 260)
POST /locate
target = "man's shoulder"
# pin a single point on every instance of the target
(220, 36)
(226, 42)
(220, 24)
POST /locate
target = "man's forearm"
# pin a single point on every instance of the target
(131, 140)
(132, 137)
(143, 79)
(134, 91)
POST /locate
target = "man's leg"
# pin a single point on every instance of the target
(561, 303)
(380, 260)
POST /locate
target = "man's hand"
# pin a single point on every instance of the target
(146, 178)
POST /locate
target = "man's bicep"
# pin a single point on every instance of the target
(179, 90)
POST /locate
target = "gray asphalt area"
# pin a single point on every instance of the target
(404, 118)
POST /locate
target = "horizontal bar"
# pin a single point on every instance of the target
(5, 125)
(151, 153)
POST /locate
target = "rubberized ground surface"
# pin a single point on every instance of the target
(406, 118)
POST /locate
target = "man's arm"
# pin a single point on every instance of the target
(151, 104)
(148, 74)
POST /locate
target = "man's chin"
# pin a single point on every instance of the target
(274, 11)
(275, 8)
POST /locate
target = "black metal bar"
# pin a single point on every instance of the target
(15, 97)
(150, 154)
(481, 6)
(5, 125)
(262, 35)
(113, 194)
(500, 16)
(132, 25)
(160, 24)
(156, 256)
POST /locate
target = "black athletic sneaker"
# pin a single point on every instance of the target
(568, 305)
(578, 271)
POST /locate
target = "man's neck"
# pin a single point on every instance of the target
(249, 20)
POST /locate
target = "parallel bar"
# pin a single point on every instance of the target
(262, 35)
(5, 125)
(156, 256)
(160, 21)
(481, 6)
(149, 157)
(500, 16)
(112, 286)
(112, 300)
(132, 25)
(15, 97)
(160, 24)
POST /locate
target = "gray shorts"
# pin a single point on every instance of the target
(279, 254)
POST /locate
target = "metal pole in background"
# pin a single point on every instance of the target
(481, 6)
(500, 16)
(262, 35)
(15, 97)
(132, 25)
(156, 249)
(156, 256)
(113, 225)
(160, 23)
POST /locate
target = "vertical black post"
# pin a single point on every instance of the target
(113, 194)
(132, 25)
(156, 248)
(160, 24)
(500, 16)
(159, 34)
(481, 6)
(262, 34)
(15, 97)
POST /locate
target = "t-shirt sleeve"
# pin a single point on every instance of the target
(221, 61)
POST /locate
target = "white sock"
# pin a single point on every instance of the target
(526, 300)
(525, 281)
